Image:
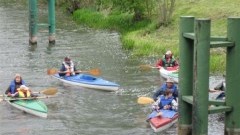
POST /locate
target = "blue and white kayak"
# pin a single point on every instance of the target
(89, 81)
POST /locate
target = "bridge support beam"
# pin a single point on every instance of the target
(232, 122)
(33, 20)
(51, 21)
(186, 75)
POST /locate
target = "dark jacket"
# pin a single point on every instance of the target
(163, 88)
(14, 86)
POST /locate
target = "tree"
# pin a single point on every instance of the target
(166, 8)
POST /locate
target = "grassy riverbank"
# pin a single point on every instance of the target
(143, 39)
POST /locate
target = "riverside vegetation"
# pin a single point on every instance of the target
(150, 27)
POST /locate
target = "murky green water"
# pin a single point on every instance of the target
(75, 110)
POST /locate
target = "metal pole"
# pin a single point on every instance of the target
(51, 20)
(33, 17)
(201, 76)
(185, 75)
(232, 122)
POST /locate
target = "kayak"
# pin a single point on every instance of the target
(88, 81)
(169, 72)
(31, 106)
(165, 121)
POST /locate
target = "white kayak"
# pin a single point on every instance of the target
(89, 81)
(169, 72)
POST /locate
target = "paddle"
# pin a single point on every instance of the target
(12, 99)
(95, 72)
(145, 100)
(148, 67)
(48, 91)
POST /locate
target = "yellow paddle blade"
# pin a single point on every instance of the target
(95, 72)
(145, 100)
(52, 71)
(145, 67)
(49, 91)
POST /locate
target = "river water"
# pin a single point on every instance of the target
(75, 110)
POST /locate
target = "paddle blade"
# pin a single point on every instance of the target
(145, 67)
(95, 72)
(52, 71)
(145, 100)
(49, 91)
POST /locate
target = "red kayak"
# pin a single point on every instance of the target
(160, 123)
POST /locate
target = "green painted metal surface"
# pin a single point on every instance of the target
(194, 76)
(185, 74)
(33, 17)
(201, 76)
(232, 122)
(51, 16)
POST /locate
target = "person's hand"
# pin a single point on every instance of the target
(159, 114)
(166, 107)
(9, 94)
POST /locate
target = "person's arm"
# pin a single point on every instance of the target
(155, 105)
(8, 90)
(175, 92)
(213, 90)
(159, 63)
(74, 68)
(157, 94)
(176, 63)
(174, 105)
(62, 68)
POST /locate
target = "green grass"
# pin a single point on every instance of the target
(143, 39)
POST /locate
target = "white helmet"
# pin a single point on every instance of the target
(168, 52)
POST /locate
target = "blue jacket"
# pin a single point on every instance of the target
(163, 88)
(13, 88)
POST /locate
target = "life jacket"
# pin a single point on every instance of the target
(164, 101)
(69, 68)
(171, 63)
(13, 86)
(22, 94)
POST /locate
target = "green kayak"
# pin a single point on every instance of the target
(32, 106)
